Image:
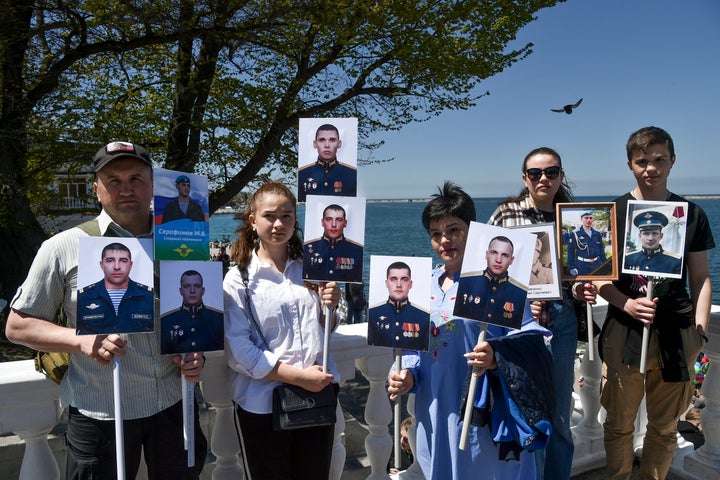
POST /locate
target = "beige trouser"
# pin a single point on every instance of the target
(665, 402)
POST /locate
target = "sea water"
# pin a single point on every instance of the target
(395, 228)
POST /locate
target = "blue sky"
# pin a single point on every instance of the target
(635, 63)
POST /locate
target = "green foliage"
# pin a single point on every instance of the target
(218, 87)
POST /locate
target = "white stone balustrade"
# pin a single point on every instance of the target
(29, 408)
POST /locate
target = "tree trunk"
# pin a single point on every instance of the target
(20, 231)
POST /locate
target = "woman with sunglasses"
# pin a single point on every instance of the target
(546, 185)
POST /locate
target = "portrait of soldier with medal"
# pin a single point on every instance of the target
(327, 157)
(335, 249)
(655, 238)
(399, 313)
(495, 275)
(191, 303)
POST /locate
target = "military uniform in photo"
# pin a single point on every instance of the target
(327, 178)
(500, 301)
(398, 325)
(586, 251)
(338, 260)
(192, 329)
(174, 211)
(96, 313)
(655, 260)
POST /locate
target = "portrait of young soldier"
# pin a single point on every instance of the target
(183, 207)
(327, 175)
(117, 304)
(651, 257)
(396, 322)
(193, 326)
(492, 295)
(333, 257)
(152, 391)
(586, 249)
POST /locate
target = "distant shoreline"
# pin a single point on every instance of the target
(59, 222)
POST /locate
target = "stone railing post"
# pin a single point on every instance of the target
(588, 432)
(223, 439)
(704, 463)
(414, 472)
(29, 408)
(348, 349)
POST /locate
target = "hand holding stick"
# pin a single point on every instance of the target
(471, 395)
(398, 413)
(119, 434)
(646, 328)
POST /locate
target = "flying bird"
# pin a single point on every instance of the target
(567, 108)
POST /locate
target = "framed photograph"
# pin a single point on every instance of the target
(586, 236)
(334, 237)
(655, 238)
(115, 286)
(495, 275)
(399, 306)
(327, 157)
(544, 281)
(191, 307)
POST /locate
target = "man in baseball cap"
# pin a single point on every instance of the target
(152, 395)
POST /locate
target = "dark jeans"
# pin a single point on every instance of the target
(91, 447)
(302, 454)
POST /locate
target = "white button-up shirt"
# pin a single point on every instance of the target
(288, 315)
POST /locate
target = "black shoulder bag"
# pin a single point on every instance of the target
(293, 406)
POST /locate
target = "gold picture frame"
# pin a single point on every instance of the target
(587, 254)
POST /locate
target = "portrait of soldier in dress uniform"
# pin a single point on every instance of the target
(492, 295)
(397, 322)
(326, 174)
(333, 256)
(653, 244)
(585, 247)
(117, 303)
(193, 326)
(586, 236)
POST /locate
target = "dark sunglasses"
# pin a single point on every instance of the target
(535, 174)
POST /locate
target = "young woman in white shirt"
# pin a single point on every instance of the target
(289, 314)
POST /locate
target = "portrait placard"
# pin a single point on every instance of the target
(191, 307)
(655, 238)
(327, 157)
(335, 227)
(544, 281)
(181, 216)
(586, 234)
(115, 286)
(399, 312)
(495, 275)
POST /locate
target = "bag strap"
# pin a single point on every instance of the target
(244, 276)
(91, 227)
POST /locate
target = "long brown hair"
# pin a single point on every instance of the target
(247, 239)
